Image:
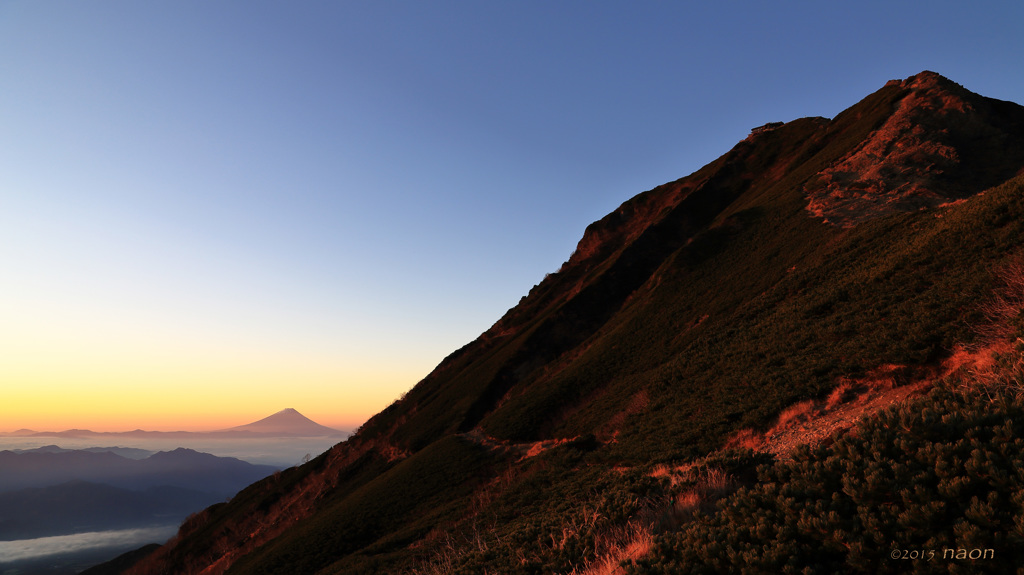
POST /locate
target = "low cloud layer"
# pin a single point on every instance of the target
(34, 548)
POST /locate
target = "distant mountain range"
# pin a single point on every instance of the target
(184, 468)
(53, 491)
(81, 506)
(128, 452)
(285, 423)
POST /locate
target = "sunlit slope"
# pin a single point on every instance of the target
(902, 289)
(563, 316)
(721, 284)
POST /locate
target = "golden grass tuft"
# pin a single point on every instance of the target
(709, 484)
(673, 473)
(840, 395)
(745, 439)
(631, 541)
(793, 415)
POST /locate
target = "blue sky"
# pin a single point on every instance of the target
(210, 211)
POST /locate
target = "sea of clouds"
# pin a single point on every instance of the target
(23, 549)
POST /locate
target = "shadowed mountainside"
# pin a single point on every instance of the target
(811, 253)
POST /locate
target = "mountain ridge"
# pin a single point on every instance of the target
(285, 423)
(185, 468)
(697, 309)
(903, 166)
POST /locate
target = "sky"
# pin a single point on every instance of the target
(212, 211)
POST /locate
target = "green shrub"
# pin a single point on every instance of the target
(943, 473)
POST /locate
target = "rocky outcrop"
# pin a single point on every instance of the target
(941, 143)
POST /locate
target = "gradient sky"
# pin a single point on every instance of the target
(211, 211)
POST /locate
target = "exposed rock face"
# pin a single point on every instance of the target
(936, 147)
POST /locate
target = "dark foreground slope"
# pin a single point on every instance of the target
(933, 486)
(698, 308)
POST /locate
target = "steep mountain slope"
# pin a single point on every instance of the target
(812, 251)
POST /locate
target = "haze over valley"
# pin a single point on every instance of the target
(81, 504)
(281, 439)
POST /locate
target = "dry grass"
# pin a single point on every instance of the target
(745, 439)
(449, 554)
(630, 541)
(1000, 361)
(999, 367)
(843, 393)
(709, 484)
(1006, 304)
(673, 473)
(612, 545)
(795, 414)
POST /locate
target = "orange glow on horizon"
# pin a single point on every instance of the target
(160, 421)
(180, 400)
(73, 375)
